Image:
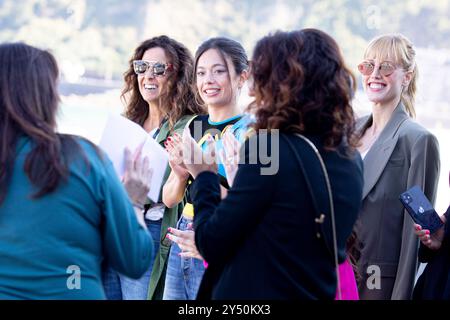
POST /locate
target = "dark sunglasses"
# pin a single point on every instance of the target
(158, 69)
(386, 68)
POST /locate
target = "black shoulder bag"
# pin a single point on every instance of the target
(320, 215)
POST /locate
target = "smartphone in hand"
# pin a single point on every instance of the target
(420, 209)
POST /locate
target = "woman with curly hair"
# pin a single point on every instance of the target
(272, 236)
(159, 97)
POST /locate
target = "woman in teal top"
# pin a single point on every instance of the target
(62, 208)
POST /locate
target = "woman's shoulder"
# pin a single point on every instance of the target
(342, 155)
(412, 131)
(83, 150)
(184, 120)
(412, 126)
(85, 144)
(339, 162)
(197, 118)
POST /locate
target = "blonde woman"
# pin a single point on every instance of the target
(398, 153)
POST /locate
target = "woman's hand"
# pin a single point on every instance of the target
(137, 177)
(229, 156)
(174, 146)
(432, 241)
(195, 160)
(186, 241)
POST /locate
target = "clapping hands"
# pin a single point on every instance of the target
(137, 177)
(174, 145)
(229, 156)
(186, 241)
(186, 157)
(195, 159)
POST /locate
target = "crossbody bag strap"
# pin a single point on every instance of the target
(320, 216)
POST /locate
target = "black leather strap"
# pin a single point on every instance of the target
(315, 181)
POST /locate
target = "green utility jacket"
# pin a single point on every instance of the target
(170, 218)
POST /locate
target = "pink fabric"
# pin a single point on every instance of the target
(205, 264)
(349, 290)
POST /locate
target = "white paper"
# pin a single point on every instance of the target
(120, 133)
(158, 159)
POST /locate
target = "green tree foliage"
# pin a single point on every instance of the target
(101, 35)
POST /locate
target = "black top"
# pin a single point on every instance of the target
(434, 283)
(260, 241)
(200, 128)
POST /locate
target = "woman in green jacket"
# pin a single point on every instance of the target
(159, 97)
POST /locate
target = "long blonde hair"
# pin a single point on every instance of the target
(400, 49)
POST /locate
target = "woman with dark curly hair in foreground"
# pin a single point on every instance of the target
(272, 237)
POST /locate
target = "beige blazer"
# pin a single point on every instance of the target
(404, 155)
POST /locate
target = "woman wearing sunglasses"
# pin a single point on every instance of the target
(398, 154)
(159, 97)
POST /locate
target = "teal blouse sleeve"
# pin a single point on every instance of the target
(127, 245)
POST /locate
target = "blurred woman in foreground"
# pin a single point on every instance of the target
(62, 208)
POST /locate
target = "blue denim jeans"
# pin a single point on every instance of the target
(183, 275)
(120, 287)
(111, 284)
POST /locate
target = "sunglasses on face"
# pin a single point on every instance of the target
(385, 68)
(158, 69)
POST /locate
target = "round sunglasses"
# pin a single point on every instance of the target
(158, 69)
(385, 68)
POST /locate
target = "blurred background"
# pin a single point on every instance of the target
(93, 41)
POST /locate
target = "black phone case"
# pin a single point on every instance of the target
(420, 209)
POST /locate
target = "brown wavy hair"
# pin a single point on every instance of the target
(302, 85)
(29, 101)
(178, 98)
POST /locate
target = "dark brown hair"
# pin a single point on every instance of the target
(28, 104)
(226, 48)
(177, 98)
(302, 85)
